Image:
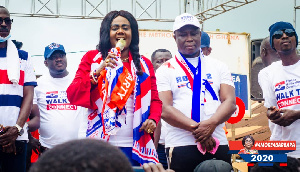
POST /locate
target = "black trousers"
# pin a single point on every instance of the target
(162, 157)
(186, 158)
(9, 162)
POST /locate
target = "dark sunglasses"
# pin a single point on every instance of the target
(289, 32)
(7, 21)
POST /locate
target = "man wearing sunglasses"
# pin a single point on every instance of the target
(17, 80)
(281, 88)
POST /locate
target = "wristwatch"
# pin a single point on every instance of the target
(20, 130)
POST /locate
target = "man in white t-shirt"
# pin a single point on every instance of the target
(59, 119)
(159, 57)
(195, 104)
(268, 56)
(281, 88)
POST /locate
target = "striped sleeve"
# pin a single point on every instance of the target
(30, 78)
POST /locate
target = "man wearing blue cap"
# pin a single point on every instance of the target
(282, 86)
(59, 119)
(205, 44)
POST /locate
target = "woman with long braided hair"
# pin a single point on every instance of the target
(130, 127)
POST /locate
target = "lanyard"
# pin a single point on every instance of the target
(195, 84)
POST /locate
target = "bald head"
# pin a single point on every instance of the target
(268, 54)
(4, 10)
(6, 25)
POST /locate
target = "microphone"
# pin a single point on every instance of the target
(117, 50)
(120, 44)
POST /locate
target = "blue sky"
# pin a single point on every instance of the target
(255, 18)
(82, 35)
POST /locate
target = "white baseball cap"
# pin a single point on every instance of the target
(185, 19)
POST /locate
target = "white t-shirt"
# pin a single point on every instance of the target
(164, 128)
(163, 132)
(124, 137)
(262, 78)
(171, 77)
(282, 89)
(59, 119)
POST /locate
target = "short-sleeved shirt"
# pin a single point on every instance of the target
(171, 77)
(60, 120)
(11, 96)
(282, 89)
(262, 78)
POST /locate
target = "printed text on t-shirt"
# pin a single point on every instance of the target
(287, 93)
(57, 100)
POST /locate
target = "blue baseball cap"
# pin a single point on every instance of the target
(205, 40)
(51, 48)
(281, 26)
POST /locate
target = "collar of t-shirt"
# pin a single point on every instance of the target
(193, 61)
(3, 52)
(291, 67)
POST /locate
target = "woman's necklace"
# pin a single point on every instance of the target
(123, 60)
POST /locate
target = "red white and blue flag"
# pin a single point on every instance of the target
(115, 86)
(52, 94)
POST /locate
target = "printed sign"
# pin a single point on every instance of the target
(239, 112)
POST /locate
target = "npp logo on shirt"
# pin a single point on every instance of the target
(57, 100)
(280, 86)
(52, 94)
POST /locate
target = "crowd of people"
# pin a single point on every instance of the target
(123, 112)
